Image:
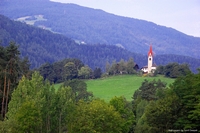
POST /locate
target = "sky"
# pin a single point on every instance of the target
(182, 15)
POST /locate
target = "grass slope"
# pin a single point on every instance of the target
(121, 85)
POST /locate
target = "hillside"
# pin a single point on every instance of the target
(44, 46)
(96, 26)
(121, 85)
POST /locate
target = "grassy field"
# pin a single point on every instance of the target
(121, 85)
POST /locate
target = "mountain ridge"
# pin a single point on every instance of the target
(97, 26)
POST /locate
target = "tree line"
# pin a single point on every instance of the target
(173, 70)
(68, 69)
(122, 67)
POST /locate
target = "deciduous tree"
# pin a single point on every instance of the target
(96, 116)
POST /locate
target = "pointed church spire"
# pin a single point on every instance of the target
(150, 53)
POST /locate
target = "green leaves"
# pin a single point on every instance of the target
(35, 106)
(79, 89)
(28, 117)
(121, 67)
(188, 90)
(174, 70)
(149, 89)
(96, 116)
(125, 109)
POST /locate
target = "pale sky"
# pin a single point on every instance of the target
(182, 15)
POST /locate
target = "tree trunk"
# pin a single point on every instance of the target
(3, 99)
(60, 118)
(7, 96)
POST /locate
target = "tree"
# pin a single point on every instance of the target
(113, 68)
(70, 71)
(122, 66)
(96, 116)
(148, 90)
(84, 72)
(28, 117)
(36, 106)
(162, 114)
(187, 89)
(141, 120)
(174, 70)
(97, 73)
(79, 89)
(47, 71)
(63, 106)
(25, 91)
(24, 98)
(107, 67)
(25, 67)
(122, 106)
(130, 66)
(10, 69)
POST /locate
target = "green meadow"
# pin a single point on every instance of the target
(121, 85)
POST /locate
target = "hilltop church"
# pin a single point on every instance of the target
(150, 68)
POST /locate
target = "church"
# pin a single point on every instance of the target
(150, 68)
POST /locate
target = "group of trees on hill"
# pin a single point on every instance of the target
(173, 70)
(12, 67)
(68, 69)
(122, 67)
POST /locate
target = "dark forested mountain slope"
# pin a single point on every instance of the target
(96, 26)
(44, 46)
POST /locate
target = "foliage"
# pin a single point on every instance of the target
(188, 90)
(162, 114)
(175, 108)
(28, 117)
(148, 89)
(12, 67)
(96, 116)
(97, 73)
(79, 89)
(60, 71)
(85, 72)
(125, 109)
(121, 67)
(36, 107)
(173, 70)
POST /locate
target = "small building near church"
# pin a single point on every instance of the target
(150, 68)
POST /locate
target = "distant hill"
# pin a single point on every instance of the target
(43, 46)
(96, 26)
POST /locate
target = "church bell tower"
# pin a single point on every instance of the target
(150, 59)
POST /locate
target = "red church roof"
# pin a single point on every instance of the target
(150, 51)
